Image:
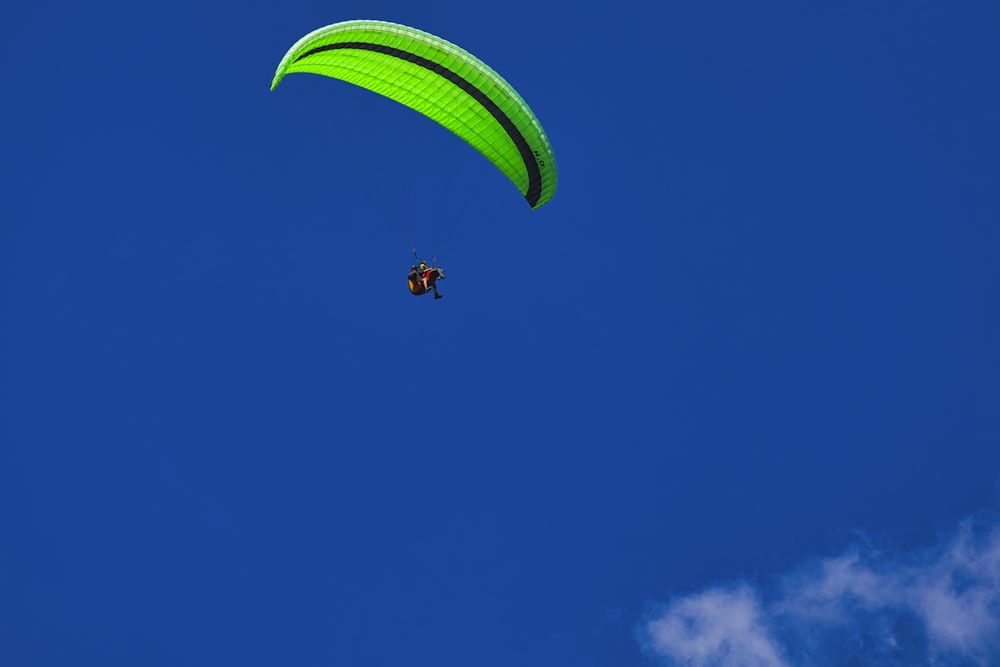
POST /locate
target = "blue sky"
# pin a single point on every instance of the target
(729, 399)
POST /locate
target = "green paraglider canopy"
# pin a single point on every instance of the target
(441, 81)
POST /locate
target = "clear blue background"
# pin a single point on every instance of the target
(759, 314)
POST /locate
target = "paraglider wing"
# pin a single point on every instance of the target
(441, 81)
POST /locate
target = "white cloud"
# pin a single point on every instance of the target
(717, 627)
(938, 607)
